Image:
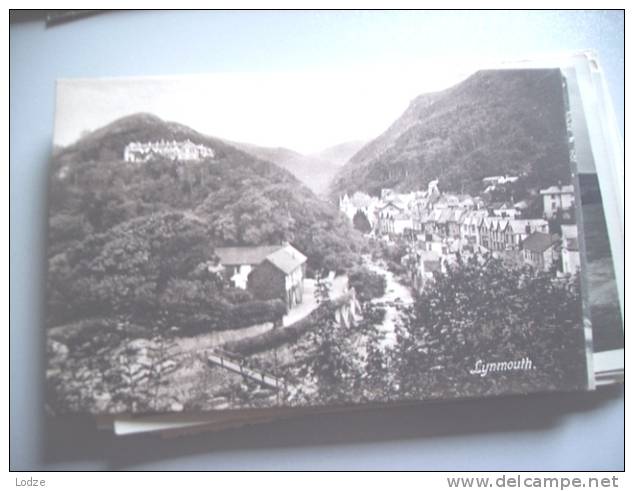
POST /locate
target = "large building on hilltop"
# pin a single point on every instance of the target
(171, 150)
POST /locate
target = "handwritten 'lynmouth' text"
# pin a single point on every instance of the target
(484, 368)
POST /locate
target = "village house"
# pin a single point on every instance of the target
(392, 213)
(521, 207)
(570, 259)
(504, 235)
(485, 231)
(499, 234)
(394, 218)
(439, 247)
(493, 233)
(427, 263)
(172, 150)
(540, 250)
(368, 205)
(441, 218)
(268, 272)
(521, 229)
(505, 210)
(557, 198)
(470, 226)
(456, 201)
(427, 199)
(453, 223)
(429, 224)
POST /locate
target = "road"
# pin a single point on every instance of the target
(309, 302)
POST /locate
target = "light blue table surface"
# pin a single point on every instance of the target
(567, 432)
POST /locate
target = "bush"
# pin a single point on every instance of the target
(397, 268)
(236, 295)
(220, 315)
(394, 252)
(366, 283)
(488, 312)
(256, 312)
(277, 337)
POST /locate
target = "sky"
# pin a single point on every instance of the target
(304, 111)
(300, 80)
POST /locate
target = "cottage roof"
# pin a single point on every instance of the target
(500, 205)
(490, 222)
(474, 217)
(539, 242)
(502, 224)
(424, 216)
(457, 215)
(393, 203)
(284, 257)
(444, 216)
(519, 226)
(234, 256)
(287, 259)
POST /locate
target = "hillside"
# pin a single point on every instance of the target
(278, 155)
(494, 122)
(339, 154)
(313, 170)
(240, 199)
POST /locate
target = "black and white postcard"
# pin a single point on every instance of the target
(248, 242)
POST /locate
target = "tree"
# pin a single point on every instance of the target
(366, 283)
(322, 290)
(127, 269)
(329, 365)
(482, 310)
(361, 222)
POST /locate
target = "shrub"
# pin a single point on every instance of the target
(236, 295)
(277, 337)
(256, 312)
(367, 284)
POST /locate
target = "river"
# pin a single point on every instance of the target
(395, 293)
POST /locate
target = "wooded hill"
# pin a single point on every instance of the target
(146, 230)
(495, 122)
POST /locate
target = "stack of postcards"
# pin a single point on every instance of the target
(233, 249)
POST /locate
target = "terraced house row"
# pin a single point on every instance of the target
(447, 222)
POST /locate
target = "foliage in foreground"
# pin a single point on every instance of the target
(488, 312)
(480, 310)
